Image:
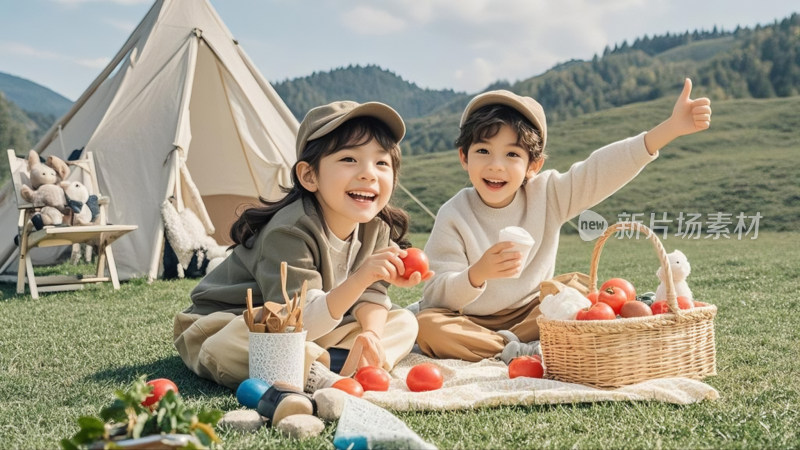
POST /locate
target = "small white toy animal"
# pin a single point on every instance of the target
(680, 270)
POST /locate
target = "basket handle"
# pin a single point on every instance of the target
(672, 298)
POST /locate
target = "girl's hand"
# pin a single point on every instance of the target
(386, 265)
(383, 265)
(495, 263)
(366, 351)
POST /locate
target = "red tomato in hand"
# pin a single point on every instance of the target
(424, 377)
(592, 296)
(160, 387)
(598, 311)
(373, 378)
(350, 386)
(415, 261)
(625, 285)
(526, 366)
(614, 297)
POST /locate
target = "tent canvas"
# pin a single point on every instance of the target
(181, 112)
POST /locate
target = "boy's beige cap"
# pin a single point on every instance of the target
(323, 119)
(526, 106)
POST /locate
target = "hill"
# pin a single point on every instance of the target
(744, 164)
(15, 126)
(763, 62)
(362, 84)
(32, 97)
(29, 106)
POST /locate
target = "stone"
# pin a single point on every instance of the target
(330, 403)
(292, 405)
(242, 420)
(301, 426)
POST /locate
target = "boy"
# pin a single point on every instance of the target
(473, 308)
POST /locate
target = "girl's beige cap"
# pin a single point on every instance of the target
(323, 119)
(526, 106)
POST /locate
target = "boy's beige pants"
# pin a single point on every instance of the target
(444, 333)
(216, 346)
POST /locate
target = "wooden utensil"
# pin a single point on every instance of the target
(250, 316)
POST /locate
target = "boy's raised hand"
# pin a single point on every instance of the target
(690, 116)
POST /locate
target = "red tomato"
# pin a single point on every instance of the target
(424, 377)
(685, 303)
(160, 387)
(592, 296)
(700, 304)
(525, 366)
(350, 386)
(373, 378)
(660, 307)
(598, 311)
(614, 297)
(621, 283)
(415, 261)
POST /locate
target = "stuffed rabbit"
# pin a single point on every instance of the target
(680, 270)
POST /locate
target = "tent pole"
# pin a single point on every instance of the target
(158, 245)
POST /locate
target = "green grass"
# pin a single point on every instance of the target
(62, 356)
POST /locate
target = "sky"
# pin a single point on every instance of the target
(464, 45)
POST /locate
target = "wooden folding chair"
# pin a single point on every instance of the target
(100, 235)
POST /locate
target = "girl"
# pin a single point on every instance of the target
(336, 230)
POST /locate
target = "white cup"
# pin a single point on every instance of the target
(523, 243)
(278, 357)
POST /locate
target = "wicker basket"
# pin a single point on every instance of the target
(613, 353)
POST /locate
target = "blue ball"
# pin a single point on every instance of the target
(250, 392)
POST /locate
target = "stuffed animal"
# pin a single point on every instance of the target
(680, 270)
(44, 191)
(84, 207)
(50, 198)
(52, 172)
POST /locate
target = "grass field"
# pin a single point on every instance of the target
(62, 356)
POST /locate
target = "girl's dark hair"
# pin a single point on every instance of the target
(486, 122)
(353, 133)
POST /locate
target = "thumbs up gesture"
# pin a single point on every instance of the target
(690, 116)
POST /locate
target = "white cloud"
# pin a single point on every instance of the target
(371, 21)
(96, 63)
(15, 48)
(121, 25)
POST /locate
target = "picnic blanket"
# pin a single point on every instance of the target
(485, 383)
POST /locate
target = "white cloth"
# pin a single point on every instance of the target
(486, 384)
(465, 228)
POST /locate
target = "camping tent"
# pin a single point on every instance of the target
(180, 112)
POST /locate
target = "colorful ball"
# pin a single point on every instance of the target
(250, 392)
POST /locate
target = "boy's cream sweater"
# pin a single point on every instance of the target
(465, 228)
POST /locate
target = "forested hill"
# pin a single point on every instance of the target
(361, 84)
(760, 62)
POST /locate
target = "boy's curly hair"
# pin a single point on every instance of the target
(486, 122)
